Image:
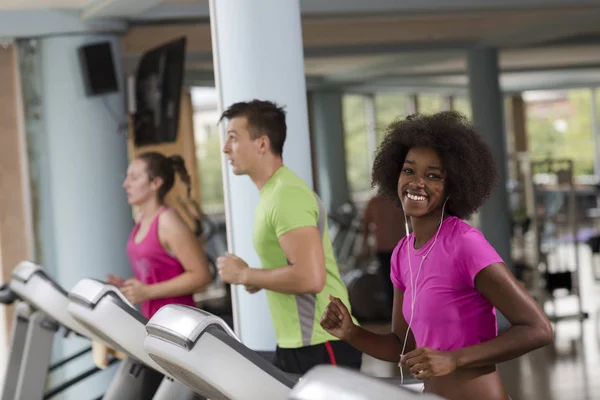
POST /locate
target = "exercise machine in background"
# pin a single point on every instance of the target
(551, 258)
(366, 292)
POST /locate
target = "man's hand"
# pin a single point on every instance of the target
(425, 362)
(232, 269)
(135, 291)
(252, 289)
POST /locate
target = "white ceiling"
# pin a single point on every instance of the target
(416, 38)
(41, 4)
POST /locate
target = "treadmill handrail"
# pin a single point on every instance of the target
(286, 379)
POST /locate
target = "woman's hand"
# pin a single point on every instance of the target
(115, 280)
(135, 291)
(336, 319)
(425, 362)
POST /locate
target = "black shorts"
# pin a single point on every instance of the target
(302, 359)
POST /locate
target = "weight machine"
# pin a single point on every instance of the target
(555, 224)
(345, 230)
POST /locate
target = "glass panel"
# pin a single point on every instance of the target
(355, 142)
(559, 125)
(208, 149)
(429, 103)
(388, 107)
(462, 104)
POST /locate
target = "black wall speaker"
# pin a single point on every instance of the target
(98, 68)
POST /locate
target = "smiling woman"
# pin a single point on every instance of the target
(469, 168)
(448, 280)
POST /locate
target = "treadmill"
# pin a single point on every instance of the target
(326, 382)
(18, 334)
(7, 296)
(40, 314)
(180, 337)
(200, 350)
(102, 309)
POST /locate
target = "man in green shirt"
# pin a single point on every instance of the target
(291, 237)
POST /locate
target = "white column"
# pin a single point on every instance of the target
(257, 53)
(81, 161)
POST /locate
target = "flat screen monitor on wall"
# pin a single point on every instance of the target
(158, 85)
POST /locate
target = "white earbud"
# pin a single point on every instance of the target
(413, 285)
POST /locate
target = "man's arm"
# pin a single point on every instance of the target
(305, 273)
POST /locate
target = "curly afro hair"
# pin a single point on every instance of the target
(470, 167)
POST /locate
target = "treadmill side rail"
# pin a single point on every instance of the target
(325, 382)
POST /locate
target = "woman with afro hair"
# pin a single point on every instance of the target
(448, 280)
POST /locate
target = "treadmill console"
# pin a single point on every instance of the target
(90, 291)
(25, 270)
(183, 325)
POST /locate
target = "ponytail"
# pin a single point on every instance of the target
(179, 168)
(160, 166)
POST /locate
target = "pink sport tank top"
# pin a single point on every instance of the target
(151, 264)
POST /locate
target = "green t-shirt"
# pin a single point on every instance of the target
(287, 203)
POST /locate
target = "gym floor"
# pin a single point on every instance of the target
(568, 369)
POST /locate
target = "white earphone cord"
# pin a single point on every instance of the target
(413, 285)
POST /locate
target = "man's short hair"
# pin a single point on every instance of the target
(264, 118)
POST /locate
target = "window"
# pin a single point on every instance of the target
(559, 125)
(208, 149)
(462, 104)
(429, 103)
(355, 142)
(388, 108)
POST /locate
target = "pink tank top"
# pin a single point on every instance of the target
(151, 264)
